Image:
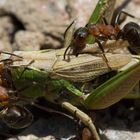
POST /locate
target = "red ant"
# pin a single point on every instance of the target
(12, 115)
(103, 32)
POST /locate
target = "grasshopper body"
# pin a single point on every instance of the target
(53, 80)
(50, 76)
(80, 69)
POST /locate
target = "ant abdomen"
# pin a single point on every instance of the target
(131, 33)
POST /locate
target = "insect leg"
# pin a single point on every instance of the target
(100, 45)
(83, 117)
(117, 10)
(117, 18)
(104, 20)
(103, 52)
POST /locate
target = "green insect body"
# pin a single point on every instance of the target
(64, 93)
(57, 90)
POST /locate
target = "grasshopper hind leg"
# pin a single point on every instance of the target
(83, 117)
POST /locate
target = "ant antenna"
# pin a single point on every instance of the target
(117, 10)
(72, 25)
(66, 51)
(127, 14)
(68, 35)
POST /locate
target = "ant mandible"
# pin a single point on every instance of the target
(103, 32)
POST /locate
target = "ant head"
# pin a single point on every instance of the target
(81, 33)
(16, 117)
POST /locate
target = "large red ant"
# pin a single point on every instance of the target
(13, 115)
(103, 32)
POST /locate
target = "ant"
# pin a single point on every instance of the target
(13, 115)
(104, 32)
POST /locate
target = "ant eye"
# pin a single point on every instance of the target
(81, 33)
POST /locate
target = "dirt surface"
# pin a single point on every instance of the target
(48, 17)
(40, 24)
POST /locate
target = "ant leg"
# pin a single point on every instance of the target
(100, 45)
(118, 9)
(102, 49)
(105, 20)
(128, 14)
(119, 35)
(119, 15)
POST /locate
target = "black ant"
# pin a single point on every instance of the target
(103, 32)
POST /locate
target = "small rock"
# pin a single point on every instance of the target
(27, 41)
(5, 45)
(33, 137)
(7, 25)
(112, 134)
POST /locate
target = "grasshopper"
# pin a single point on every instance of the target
(49, 75)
